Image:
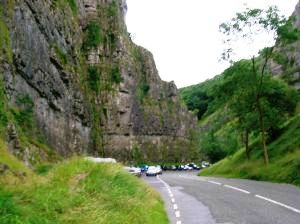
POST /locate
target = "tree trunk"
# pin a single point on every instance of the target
(263, 136)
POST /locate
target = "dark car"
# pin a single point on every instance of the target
(144, 168)
(194, 166)
(179, 167)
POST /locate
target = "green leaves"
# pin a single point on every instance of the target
(248, 24)
(94, 79)
(93, 36)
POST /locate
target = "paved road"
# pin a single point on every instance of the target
(190, 199)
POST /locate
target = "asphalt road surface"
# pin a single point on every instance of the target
(190, 199)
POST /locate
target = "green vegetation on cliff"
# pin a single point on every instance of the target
(78, 191)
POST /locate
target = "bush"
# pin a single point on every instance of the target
(94, 79)
(24, 115)
(3, 112)
(112, 9)
(73, 5)
(93, 37)
(115, 75)
(62, 56)
(143, 90)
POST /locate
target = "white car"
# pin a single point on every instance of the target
(153, 171)
(205, 164)
(187, 167)
(134, 171)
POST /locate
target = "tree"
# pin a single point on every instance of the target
(255, 97)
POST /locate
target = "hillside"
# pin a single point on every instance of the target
(284, 159)
(249, 114)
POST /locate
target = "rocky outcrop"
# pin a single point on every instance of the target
(287, 60)
(92, 90)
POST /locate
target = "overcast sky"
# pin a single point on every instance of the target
(184, 37)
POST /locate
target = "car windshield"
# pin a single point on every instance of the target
(152, 168)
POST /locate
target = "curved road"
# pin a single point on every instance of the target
(190, 199)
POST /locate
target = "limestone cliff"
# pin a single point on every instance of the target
(73, 80)
(287, 58)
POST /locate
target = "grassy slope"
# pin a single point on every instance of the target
(77, 191)
(284, 157)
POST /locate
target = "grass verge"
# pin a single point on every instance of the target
(78, 191)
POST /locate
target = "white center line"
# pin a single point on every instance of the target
(178, 222)
(278, 203)
(177, 214)
(173, 200)
(214, 182)
(236, 188)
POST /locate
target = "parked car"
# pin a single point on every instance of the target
(194, 166)
(159, 170)
(173, 167)
(180, 167)
(134, 171)
(152, 171)
(144, 168)
(187, 167)
(205, 164)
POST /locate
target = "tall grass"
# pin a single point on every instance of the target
(78, 191)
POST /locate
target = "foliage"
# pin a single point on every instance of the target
(284, 157)
(203, 98)
(258, 90)
(8, 159)
(3, 106)
(216, 144)
(137, 155)
(78, 191)
(8, 208)
(211, 147)
(143, 90)
(94, 79)
(24, 114)
(93, 36)
(66, 3)
(43, 169)
(248, 24)
(143, 85)
(287, 33)
(115, 75)
(73, 5)
(112, 8)
(5, 41)
(63, 57)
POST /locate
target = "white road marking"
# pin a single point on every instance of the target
(236, 188)
(214, 182)
(278, 203)
(175, 206)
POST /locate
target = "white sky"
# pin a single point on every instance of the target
(184, 37)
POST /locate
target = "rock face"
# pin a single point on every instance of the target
(92, 90)
(287, 64)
